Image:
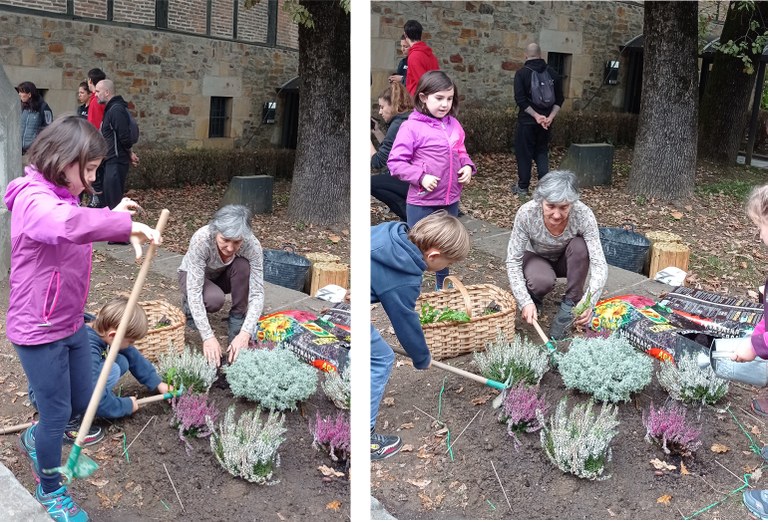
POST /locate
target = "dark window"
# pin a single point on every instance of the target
(218, 126)
(558, 62)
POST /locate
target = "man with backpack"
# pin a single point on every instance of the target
(539, 96)
(116, 127)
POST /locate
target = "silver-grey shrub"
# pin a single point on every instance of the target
(580, 442)
(608, 369)
(246, 447)
(276, 379)
(525, 361)
(189, 369)
(689, 383)
(338, 389)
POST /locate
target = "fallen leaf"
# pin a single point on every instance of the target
(406, 426)
(329, 472)
(280, 516)
(389, 401)
(478, 401)
(421, 484)
(334, 505)
(719, 448)
(441, 432)
(334, 238)
(755, 430)
(660, 464)
(756, 475)
(683, 469)
(664, 499)
(99, 483)
(676, 214)
(460, 389)
(689, 208)
(407, 447)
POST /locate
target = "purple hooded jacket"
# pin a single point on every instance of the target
(759, 335)
(51, 250)
(427, 145)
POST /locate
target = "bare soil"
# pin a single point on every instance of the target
(136, 487)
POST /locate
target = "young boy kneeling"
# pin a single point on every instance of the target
(399, 257)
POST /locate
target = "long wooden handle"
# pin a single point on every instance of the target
(159, 397)
(548, 344)
(114, 348)
(15, 429)
(458, 371)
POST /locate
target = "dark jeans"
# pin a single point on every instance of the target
(234, 280)
(115, 175)
(59, 373)
(540, 274)
(417, 213)
(531, 144)
(392, 192)
(98, 184)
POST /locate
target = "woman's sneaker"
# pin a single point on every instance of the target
(756, 501)
(27, 446)
(60, 506)
(383, 446)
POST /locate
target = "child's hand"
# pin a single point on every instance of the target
(134, 405)
(429, 182)
(141, 233)
(465, 174)
(127, 205)
(744, 353)
(164, 388)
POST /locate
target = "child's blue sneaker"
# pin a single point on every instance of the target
(756, 501)
(60, 506)
(27, 446)
(95, 433)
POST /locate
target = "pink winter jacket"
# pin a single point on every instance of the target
(427, 145)
(51, 249)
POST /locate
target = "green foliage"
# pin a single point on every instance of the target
(189, 369)
(429, 314)
(274, 378)
(524, 361)
(579, 442)
(689, 383)
(608, 369)
(299, 13)
(247, 448)
(749, 44)
(337, 388)
(736, 188)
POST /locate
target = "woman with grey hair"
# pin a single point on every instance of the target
(224, 257)
(556, 235)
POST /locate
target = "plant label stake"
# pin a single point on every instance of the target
(77, 465)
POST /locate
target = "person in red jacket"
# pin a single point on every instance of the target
(420, 57)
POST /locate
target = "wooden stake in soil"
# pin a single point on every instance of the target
(137, 435)
(462, 431)
(174, 487)
(502, 486)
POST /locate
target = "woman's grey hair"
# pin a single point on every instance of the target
(232, 222)
(558, 186)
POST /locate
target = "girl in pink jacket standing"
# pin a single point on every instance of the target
(429, 153)
(51, 236)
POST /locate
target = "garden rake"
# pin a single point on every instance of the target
(78, 465)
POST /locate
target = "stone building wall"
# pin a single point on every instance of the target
(167, 77)
(481, 44)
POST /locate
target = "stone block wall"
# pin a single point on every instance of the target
(481, 44)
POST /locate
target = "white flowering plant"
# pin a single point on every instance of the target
(519, 358)
(246, 447)
(188, 369)
(687, 382)
(337, 388)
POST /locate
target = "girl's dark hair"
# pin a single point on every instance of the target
(69, 139)
(396, 95)
(34, 98)
(84, 86)
(430, 83)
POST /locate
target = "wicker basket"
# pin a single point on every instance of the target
(451, 339)
(158, 340)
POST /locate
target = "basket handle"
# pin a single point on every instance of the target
(628, 226)
(289, 247)
(461, 288)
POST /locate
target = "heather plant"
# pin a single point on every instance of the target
(519, 358)
(669, 428)
(247, 448)
(519, 410)
(188, 369)
(689, 383)
(608, 369)
(190, 411)
(337, 388)
(274, 378)
(580, 442)
(333, 435)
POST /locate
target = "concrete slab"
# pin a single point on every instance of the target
(18, 504)
(378, 512)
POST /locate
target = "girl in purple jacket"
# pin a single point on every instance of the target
(429, 152)
(51, 236)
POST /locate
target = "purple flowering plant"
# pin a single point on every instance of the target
(519, 410)
(668, 427)
(333, 435)
(189, 413)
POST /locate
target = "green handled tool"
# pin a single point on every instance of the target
(458, 371)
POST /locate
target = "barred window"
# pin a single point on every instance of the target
(218, 126)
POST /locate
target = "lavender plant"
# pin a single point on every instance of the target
(519, 410)
(337, 388)
(608, 369)
(579, 442)
(247, 448)
(668, 428)
(190, 411)
(274, 378)
(519, 358)
(333, 435)
(188, 369)
(689, 383)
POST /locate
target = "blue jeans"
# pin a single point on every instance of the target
(382, 362)
(417, 213)
(59, 373)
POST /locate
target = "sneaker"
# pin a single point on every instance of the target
(562, 321)
(95, 433)
(760, 407)
(383, 446)
(94, 203)
(60, 506)
(519, 191)
(27, 446)
(756, 501)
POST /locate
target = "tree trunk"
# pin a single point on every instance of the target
(664, 163)
(725, 105)
(320, 188)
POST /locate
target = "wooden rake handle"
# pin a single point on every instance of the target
(463, 373)
(548, 344)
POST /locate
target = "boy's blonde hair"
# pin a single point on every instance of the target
(110, 315)
(444, 233)
(757, 204)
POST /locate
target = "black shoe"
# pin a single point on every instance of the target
(120, 243)
(94, 203)
(562, 321)
(383, 446)
(519, 191)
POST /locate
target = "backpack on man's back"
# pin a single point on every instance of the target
(542, 88)
(134, 127)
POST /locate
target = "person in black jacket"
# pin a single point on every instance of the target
(115, 127)
(533, 122)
